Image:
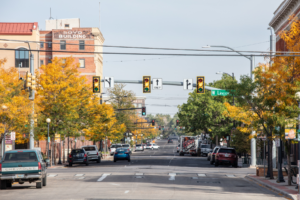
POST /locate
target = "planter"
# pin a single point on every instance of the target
(260, 171)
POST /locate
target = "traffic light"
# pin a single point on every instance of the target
(153, 122)
(200, 85)
(177, 122)
(143, 111)
(28, 79)
(96, 84)
(163, 127)
(146, 84)
(159, 127)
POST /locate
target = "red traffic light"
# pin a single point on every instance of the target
(200, 80)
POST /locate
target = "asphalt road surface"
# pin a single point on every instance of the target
(151, 174)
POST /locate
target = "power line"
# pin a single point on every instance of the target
(149, 48)
(152, 54)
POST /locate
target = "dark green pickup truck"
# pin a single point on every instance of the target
(21, 166)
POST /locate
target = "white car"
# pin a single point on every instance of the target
(113, 148)
(152, 146)
(92, 153)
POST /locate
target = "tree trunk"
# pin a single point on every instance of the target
(217, 140)
(288, 151)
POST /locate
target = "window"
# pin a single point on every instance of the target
(81, 63)
(42, 44)
(89, 148)
(22, 57)
(63, 45)
(81, 44)
(49, 61)
(67, 25)
(49, 44)
(227, 151)
(41, 62)
(139, 105)
(20, 156)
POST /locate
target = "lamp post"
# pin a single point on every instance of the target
(4, 108)
(298, 100)
(48, 120)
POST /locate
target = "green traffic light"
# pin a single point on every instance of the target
(146, 89)
(200, 89)
(96, 89)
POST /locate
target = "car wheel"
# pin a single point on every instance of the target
(98, 160)
(3, 184)
(87, 163)
(39, 184)
(70, 164)
(216, 164)
(115, 160)
(45, 180)
(128, 160)
(8, 184)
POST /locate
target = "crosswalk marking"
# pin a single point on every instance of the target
(201, 174)
(79, 174)
(52, 175)
(172, 176)
(102, 177)
(139, 174)
(230, 175)
(81, 177)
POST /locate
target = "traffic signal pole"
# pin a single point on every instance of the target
(31, 97)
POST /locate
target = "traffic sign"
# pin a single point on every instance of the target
(188, 84)
(109, 82)
(157, 83)
(219, 93)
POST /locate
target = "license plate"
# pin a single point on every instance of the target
(19, 175)
(226, 155)
(121, 153)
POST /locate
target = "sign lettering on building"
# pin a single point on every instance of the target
(73, 34)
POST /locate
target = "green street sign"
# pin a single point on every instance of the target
(219, 93)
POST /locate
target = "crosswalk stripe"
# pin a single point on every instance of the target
(172, 176)
(201, 174)
(102, 177)
(139, 174)
(52, 175)
(230, 175)
(79, 174)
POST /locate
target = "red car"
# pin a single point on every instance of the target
(226, 156)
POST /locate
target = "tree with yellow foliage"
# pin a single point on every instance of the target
(15, 107)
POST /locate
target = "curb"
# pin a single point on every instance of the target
(285, 194)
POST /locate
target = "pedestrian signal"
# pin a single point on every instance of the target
(200, 85)
(96, 84)
(146, 84)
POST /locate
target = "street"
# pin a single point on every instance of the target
(152, 174)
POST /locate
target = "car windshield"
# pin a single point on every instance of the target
(121, 149)
(89, 148)
(113, 146)
(125, 145)
(20, 156)
(148, 144)
(118, 146)
(75, 151)
(227, 151)
(216, 149)
(205, 146)
(138, 145)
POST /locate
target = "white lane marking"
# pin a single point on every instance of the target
(81, 177)
(79, 174)
(139, 174)
(201, 174)
(194, 177)
(126, 191)
(172, 176)
(230, 175)
(52, 175)
(115, 184)
(102, 177)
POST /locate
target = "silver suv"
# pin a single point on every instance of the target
(92, 153)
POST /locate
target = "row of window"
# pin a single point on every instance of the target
(81, 62)
(63, 45)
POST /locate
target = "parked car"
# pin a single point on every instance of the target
(205, 148)
(139, 147)
(170, 141)
(226, 156)
(127, 146)
(152, 146)
(212, 156)
(23, 165)
(113, 148)
(209, 155)
(178, 148)
(92, 153)
(122, 154)
(78, 156)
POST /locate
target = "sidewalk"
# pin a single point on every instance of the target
(282, 188)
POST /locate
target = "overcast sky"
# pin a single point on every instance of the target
(240, 24)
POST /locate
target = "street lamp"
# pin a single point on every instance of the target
(4, 108)
(48, 120)
(248, 57)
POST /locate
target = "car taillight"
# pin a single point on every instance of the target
(40, 166)
(85, 155)
(70, 156)
(217, 155)
(116, 152)
(97, 153)
(128, 149)
(126, 152)
(0, 167)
